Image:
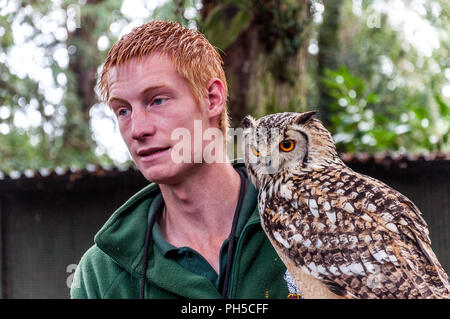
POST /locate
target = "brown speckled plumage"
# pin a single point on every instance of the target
(335, 228)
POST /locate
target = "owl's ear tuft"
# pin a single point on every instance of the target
(248, 121)
(304, 117)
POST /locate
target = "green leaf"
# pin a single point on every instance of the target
(443, 107)
(372, 98)
(225, 23)
(420, 112)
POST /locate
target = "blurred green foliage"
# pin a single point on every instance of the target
(386, 93)
(225, 23)
(383, 94)
(64, 35)
(363, 122)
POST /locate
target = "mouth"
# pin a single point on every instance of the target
(151, 152)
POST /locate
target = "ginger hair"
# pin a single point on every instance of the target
(190, 52)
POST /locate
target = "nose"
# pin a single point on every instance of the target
(142, 124)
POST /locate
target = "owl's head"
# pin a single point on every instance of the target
(286, 141)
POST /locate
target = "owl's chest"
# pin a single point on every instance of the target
(299, 195)
(282, 200)
(283, 218)
(288, 227)
(288, 214)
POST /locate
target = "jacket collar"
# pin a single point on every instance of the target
(122, 238)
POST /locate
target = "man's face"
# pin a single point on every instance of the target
(151, 99)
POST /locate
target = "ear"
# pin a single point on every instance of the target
(248, 121)
(304, 117)
(216, 98)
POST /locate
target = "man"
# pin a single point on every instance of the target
(194, 231)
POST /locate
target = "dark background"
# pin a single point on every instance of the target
(47, 223)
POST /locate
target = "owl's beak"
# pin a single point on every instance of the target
(267, 161)
(270, 164)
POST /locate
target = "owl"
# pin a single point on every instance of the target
(340, 234)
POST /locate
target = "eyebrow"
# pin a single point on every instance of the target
(152, 88)
(142, 93)
(111, 99)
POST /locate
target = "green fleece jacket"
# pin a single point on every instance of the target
(111, 268)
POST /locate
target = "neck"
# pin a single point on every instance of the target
(201, 205)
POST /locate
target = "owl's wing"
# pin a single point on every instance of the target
(356, 234)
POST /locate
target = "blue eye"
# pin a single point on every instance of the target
(122, 112)
(158, 101)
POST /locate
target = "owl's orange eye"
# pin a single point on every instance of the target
(255, 151)
(287, 145)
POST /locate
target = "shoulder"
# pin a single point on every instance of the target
(111, 259)
(92, 257)
(94, 275)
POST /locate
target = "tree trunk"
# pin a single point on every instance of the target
(266, 64)
(328, 58)
(80, 96)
